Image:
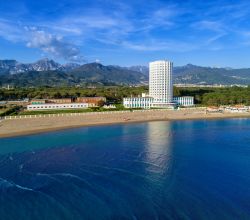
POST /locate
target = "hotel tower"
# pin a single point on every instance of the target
(160, 82)
(160, 89)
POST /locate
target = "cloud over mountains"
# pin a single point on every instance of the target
(34, 37)
(54, 45)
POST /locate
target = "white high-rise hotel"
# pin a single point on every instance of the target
(160, 89)
(160, 82)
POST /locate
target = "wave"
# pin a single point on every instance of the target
(5, 184)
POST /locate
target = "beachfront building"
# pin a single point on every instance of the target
(55, 101)
(92, 101)
(66, 103)
(60, 101)
(186, 101)
(160, 82)
(148, 102)
(138, 102)
(37, 101)
(53, 106)
(160, 89)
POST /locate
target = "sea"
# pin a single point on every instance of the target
(154, 170)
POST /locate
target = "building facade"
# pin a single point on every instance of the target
(51, 106)
(138, 102)
(160, 89)
(37, 101)
(160, 82)
(148, 102)
(186, 101)
(55, 101)
(60, 101)
(92, 101)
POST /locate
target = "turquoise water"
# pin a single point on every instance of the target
(154, 170)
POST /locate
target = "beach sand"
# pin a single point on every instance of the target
(24, 126)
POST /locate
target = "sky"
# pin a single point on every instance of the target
(130, 32)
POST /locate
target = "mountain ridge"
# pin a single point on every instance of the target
(15, 67)
(73, 73)
(91, 73)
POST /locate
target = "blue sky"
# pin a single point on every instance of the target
(131, 32)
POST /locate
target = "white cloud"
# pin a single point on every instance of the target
(116, 28)
(33, 37)
(216, 26)
(245, 38)
(215, 38)
(53, 45)
(10, 31)
(174, 46)
(156, 27)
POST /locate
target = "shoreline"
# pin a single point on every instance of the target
(28, 126)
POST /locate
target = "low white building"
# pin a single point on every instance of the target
(57, 106)
(148, 102)
(138, 102)
(186, 101)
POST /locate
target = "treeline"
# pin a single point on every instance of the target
(114, 94)
(217, 96)
(227, 96)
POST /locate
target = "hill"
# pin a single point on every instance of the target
(191, 74)
(38, 78)
(50, 73)
(15, 67)
(93, 73)
(96, 72)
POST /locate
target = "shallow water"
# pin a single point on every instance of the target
(154, 170)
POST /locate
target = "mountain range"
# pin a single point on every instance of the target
(15, 67)
(47, 72)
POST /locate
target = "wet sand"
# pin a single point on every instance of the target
(24, 126)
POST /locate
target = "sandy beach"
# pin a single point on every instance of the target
(24, 126)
